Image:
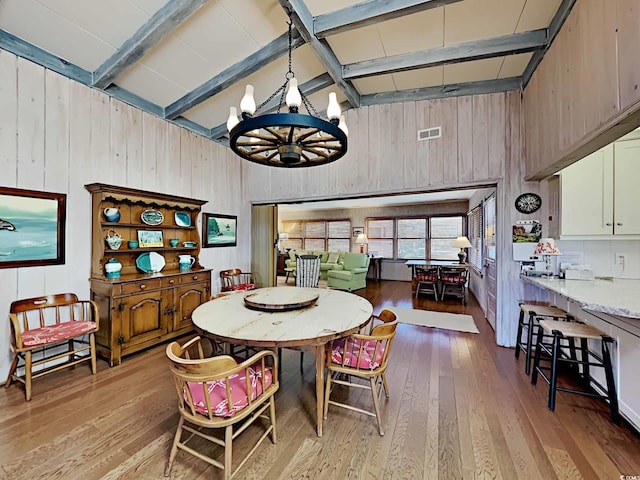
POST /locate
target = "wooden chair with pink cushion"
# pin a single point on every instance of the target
(38, 324)
(427, 280)
(234, 279)
(364, 357)
(217, 392)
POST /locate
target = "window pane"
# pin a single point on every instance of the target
(293, 243)
(314, 244)
(314, 229)
(381, 248)
(339, 245)
(380, 228)
(293, 228)
(411, 249)
(446, 227)
(442, 249)
(475, 237)
(339, 229)
(412, 228)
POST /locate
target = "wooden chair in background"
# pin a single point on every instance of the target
(216, 392)
(307, 271)
(427, 280)
(454, 282)
(40, 323)
(234, 279)
(360, 356)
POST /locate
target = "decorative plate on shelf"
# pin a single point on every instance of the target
(183, 219)
(152, 217)
(150, 262)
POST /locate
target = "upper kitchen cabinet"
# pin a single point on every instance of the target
(598, 195)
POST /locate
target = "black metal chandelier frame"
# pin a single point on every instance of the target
(290, 140)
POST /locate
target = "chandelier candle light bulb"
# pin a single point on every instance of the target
(333, 109)
(248, 104)
(232, 121)
(293, 99)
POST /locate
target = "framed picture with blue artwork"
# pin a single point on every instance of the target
(32, 226)
(219, 230)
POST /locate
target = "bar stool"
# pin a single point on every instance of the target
(532, 313)
(575, 331)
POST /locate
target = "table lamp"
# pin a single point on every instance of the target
(547, 247)
(462, 243)
(362, 240)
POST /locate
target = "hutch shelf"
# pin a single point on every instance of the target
(138, 309)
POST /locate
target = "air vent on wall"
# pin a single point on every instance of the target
(429, 133)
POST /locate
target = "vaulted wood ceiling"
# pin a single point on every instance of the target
(188, 61)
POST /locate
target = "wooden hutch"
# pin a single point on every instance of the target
(137, 309)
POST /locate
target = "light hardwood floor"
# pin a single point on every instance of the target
(460, 408)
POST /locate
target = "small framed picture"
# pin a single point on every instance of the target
(357, 231)
(150, 238)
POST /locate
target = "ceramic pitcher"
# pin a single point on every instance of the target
(186, 262)
(111, 214)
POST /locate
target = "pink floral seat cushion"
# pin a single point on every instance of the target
(243, 286)
(367, 361)
(218, 393)
(453, 278)
(56, 333)
(427, 277)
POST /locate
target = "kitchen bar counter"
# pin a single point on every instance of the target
(614, 297)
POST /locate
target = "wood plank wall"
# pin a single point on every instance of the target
(480, 144)
(585, 93)
(57, 135)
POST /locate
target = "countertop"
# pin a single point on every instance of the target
(615, 297)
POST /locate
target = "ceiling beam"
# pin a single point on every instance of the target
(554, 27)
(148, 35)
(303, 21)
(307, 88)
(464, 52)
(235, 73)
(445, 91)
(370, 12)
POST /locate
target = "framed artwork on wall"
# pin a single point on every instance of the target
(219, 230)
(150, 238)
(32, 227)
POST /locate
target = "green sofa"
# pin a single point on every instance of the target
(352, 275)
(325, 266)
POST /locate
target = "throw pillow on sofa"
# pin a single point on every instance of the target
(333, 257)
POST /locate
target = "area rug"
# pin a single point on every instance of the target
(426, 318)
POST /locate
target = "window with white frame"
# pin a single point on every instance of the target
(320, 235)
(474, 219)
(444, 231)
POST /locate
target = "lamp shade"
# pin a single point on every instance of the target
(362, 239)
(546, 246)
(283, 236)
(462, 242)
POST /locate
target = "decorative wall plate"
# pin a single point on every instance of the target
(152, 217)
(183, 219)
(150, 262)
(528, 202)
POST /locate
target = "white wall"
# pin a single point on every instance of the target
(57, 135)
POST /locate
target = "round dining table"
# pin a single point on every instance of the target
(276, 319)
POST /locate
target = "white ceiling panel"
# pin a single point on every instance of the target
(357, 45)
(514, 65)
(268, 14)
(320, 7)
(379, 83)
(149, 6)
(113, 24)
(421, 78)
(150, 85)
(476, 19)
(537, 14)
(214, 36)
(414, 32)
(46, 29)
(472, 71)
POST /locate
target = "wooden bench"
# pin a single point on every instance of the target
(40, 324)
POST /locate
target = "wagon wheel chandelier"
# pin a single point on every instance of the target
(290, 139)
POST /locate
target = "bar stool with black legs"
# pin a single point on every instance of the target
(559, 332)
(529, 315)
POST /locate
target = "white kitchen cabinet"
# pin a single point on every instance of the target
(599, 196)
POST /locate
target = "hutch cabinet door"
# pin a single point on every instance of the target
(188, 298)
(143, 317)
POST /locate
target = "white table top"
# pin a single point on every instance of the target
(335, 314)
(615, 297)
